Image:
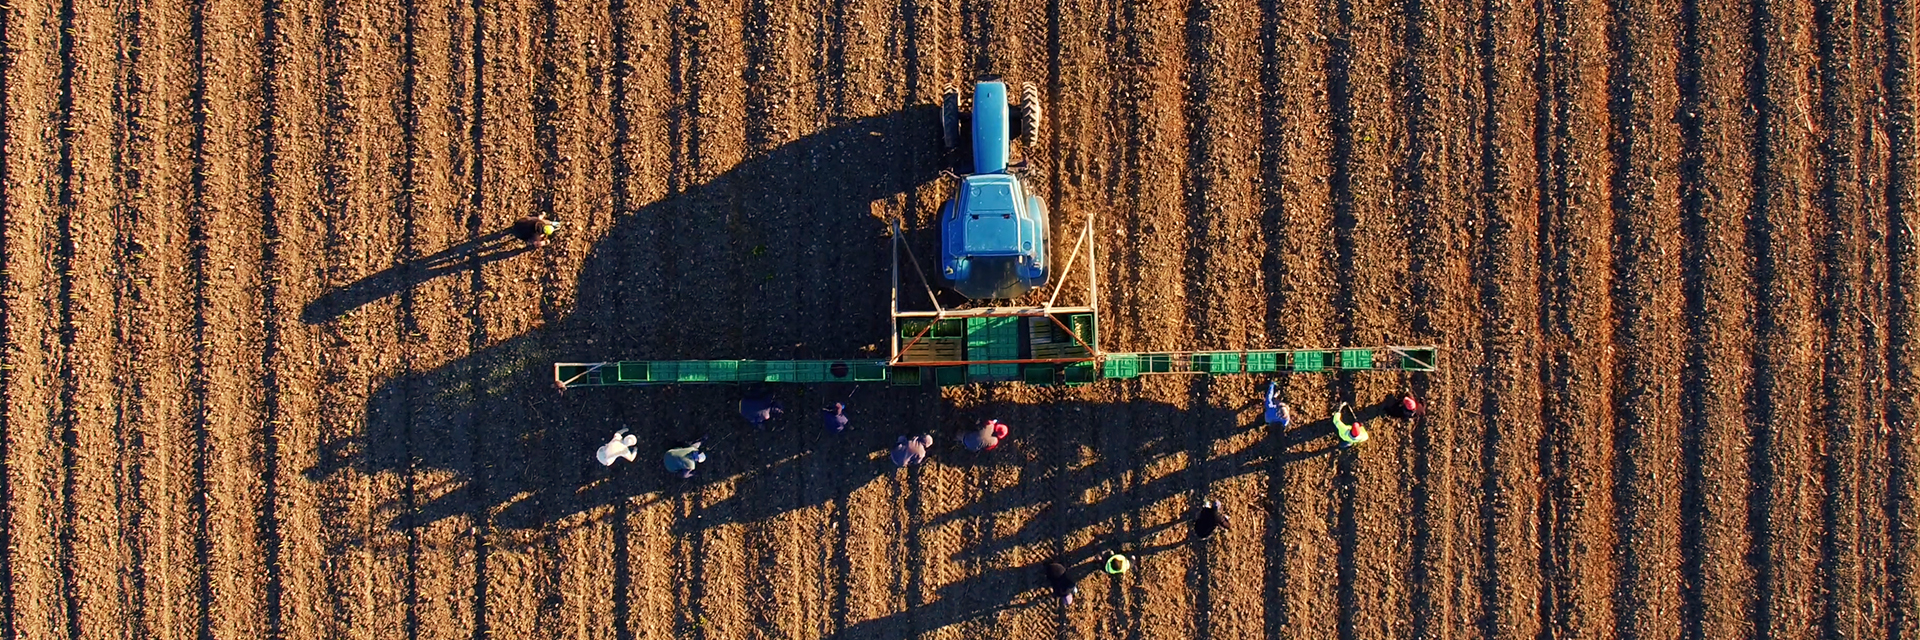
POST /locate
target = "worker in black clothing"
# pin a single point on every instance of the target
(1062, 585)
(1207, 519)
(534, 230)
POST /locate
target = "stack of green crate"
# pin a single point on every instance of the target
(993, 339)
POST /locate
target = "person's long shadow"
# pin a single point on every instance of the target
(975, 597)
(1275, 448)
(780, 250)
(466, 256)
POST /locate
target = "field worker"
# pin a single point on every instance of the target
(834, 418)
(1062, 585)
(911, 450)
(986, 437)
(1350, 434)
(758, 409)
(534, 230)
(1207, 519)
(1407, 407)
(620, 447)
(1277, 412)
(1116, 564)
(684, 459)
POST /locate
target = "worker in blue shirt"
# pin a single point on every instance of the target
(834, 418)
(1277, 412)
(758, 409)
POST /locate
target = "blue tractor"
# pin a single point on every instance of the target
(993, 231)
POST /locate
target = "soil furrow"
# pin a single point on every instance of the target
(1510, 580)
(399, 403)
(1777, 227)
(199, 412)
(227, 282)
(63, 417)
(1902, 203)
(36, 603)
(1875, 455)
(144, 500)
(1577, 443)
(1714, 272)
(291, 533)
(91, 555)
(8, 349)
(1371, 104)
(343, 424)
(1842, 307)
(1645, 394)
(1442, 480)
(274, 408)
(1296, 229)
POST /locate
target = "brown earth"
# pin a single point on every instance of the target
(269, 372)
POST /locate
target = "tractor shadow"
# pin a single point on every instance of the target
(787, 243)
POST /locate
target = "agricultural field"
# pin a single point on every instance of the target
(270, 371)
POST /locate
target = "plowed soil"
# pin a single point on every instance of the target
(270, 369)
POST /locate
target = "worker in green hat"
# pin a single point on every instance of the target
(1350, 434)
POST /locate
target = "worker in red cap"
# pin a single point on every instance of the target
(1350, 434)
(984, 438)
(1407, 407)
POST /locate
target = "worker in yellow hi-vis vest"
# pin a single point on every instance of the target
(1350, 434)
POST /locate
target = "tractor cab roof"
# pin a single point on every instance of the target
(987, 210)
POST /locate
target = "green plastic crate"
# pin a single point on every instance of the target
(1418, 360)
(1080, 373)
(1121, 366)
(1039, 375)
(949, 376)
(993, 338)
(869, 371)
(690, 371)
(751, 371)
(786, 371)
(1263, 361)
(1082, 325)
(633, 372)
(904, 376)
(572, 372)
(1306, 361)
(1223, 362)
(1356, 359)
(993, 372)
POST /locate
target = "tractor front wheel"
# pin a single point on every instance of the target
(1029, 114)
(950, 118)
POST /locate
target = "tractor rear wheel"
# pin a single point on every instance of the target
(1030, 114)
(950, 117)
